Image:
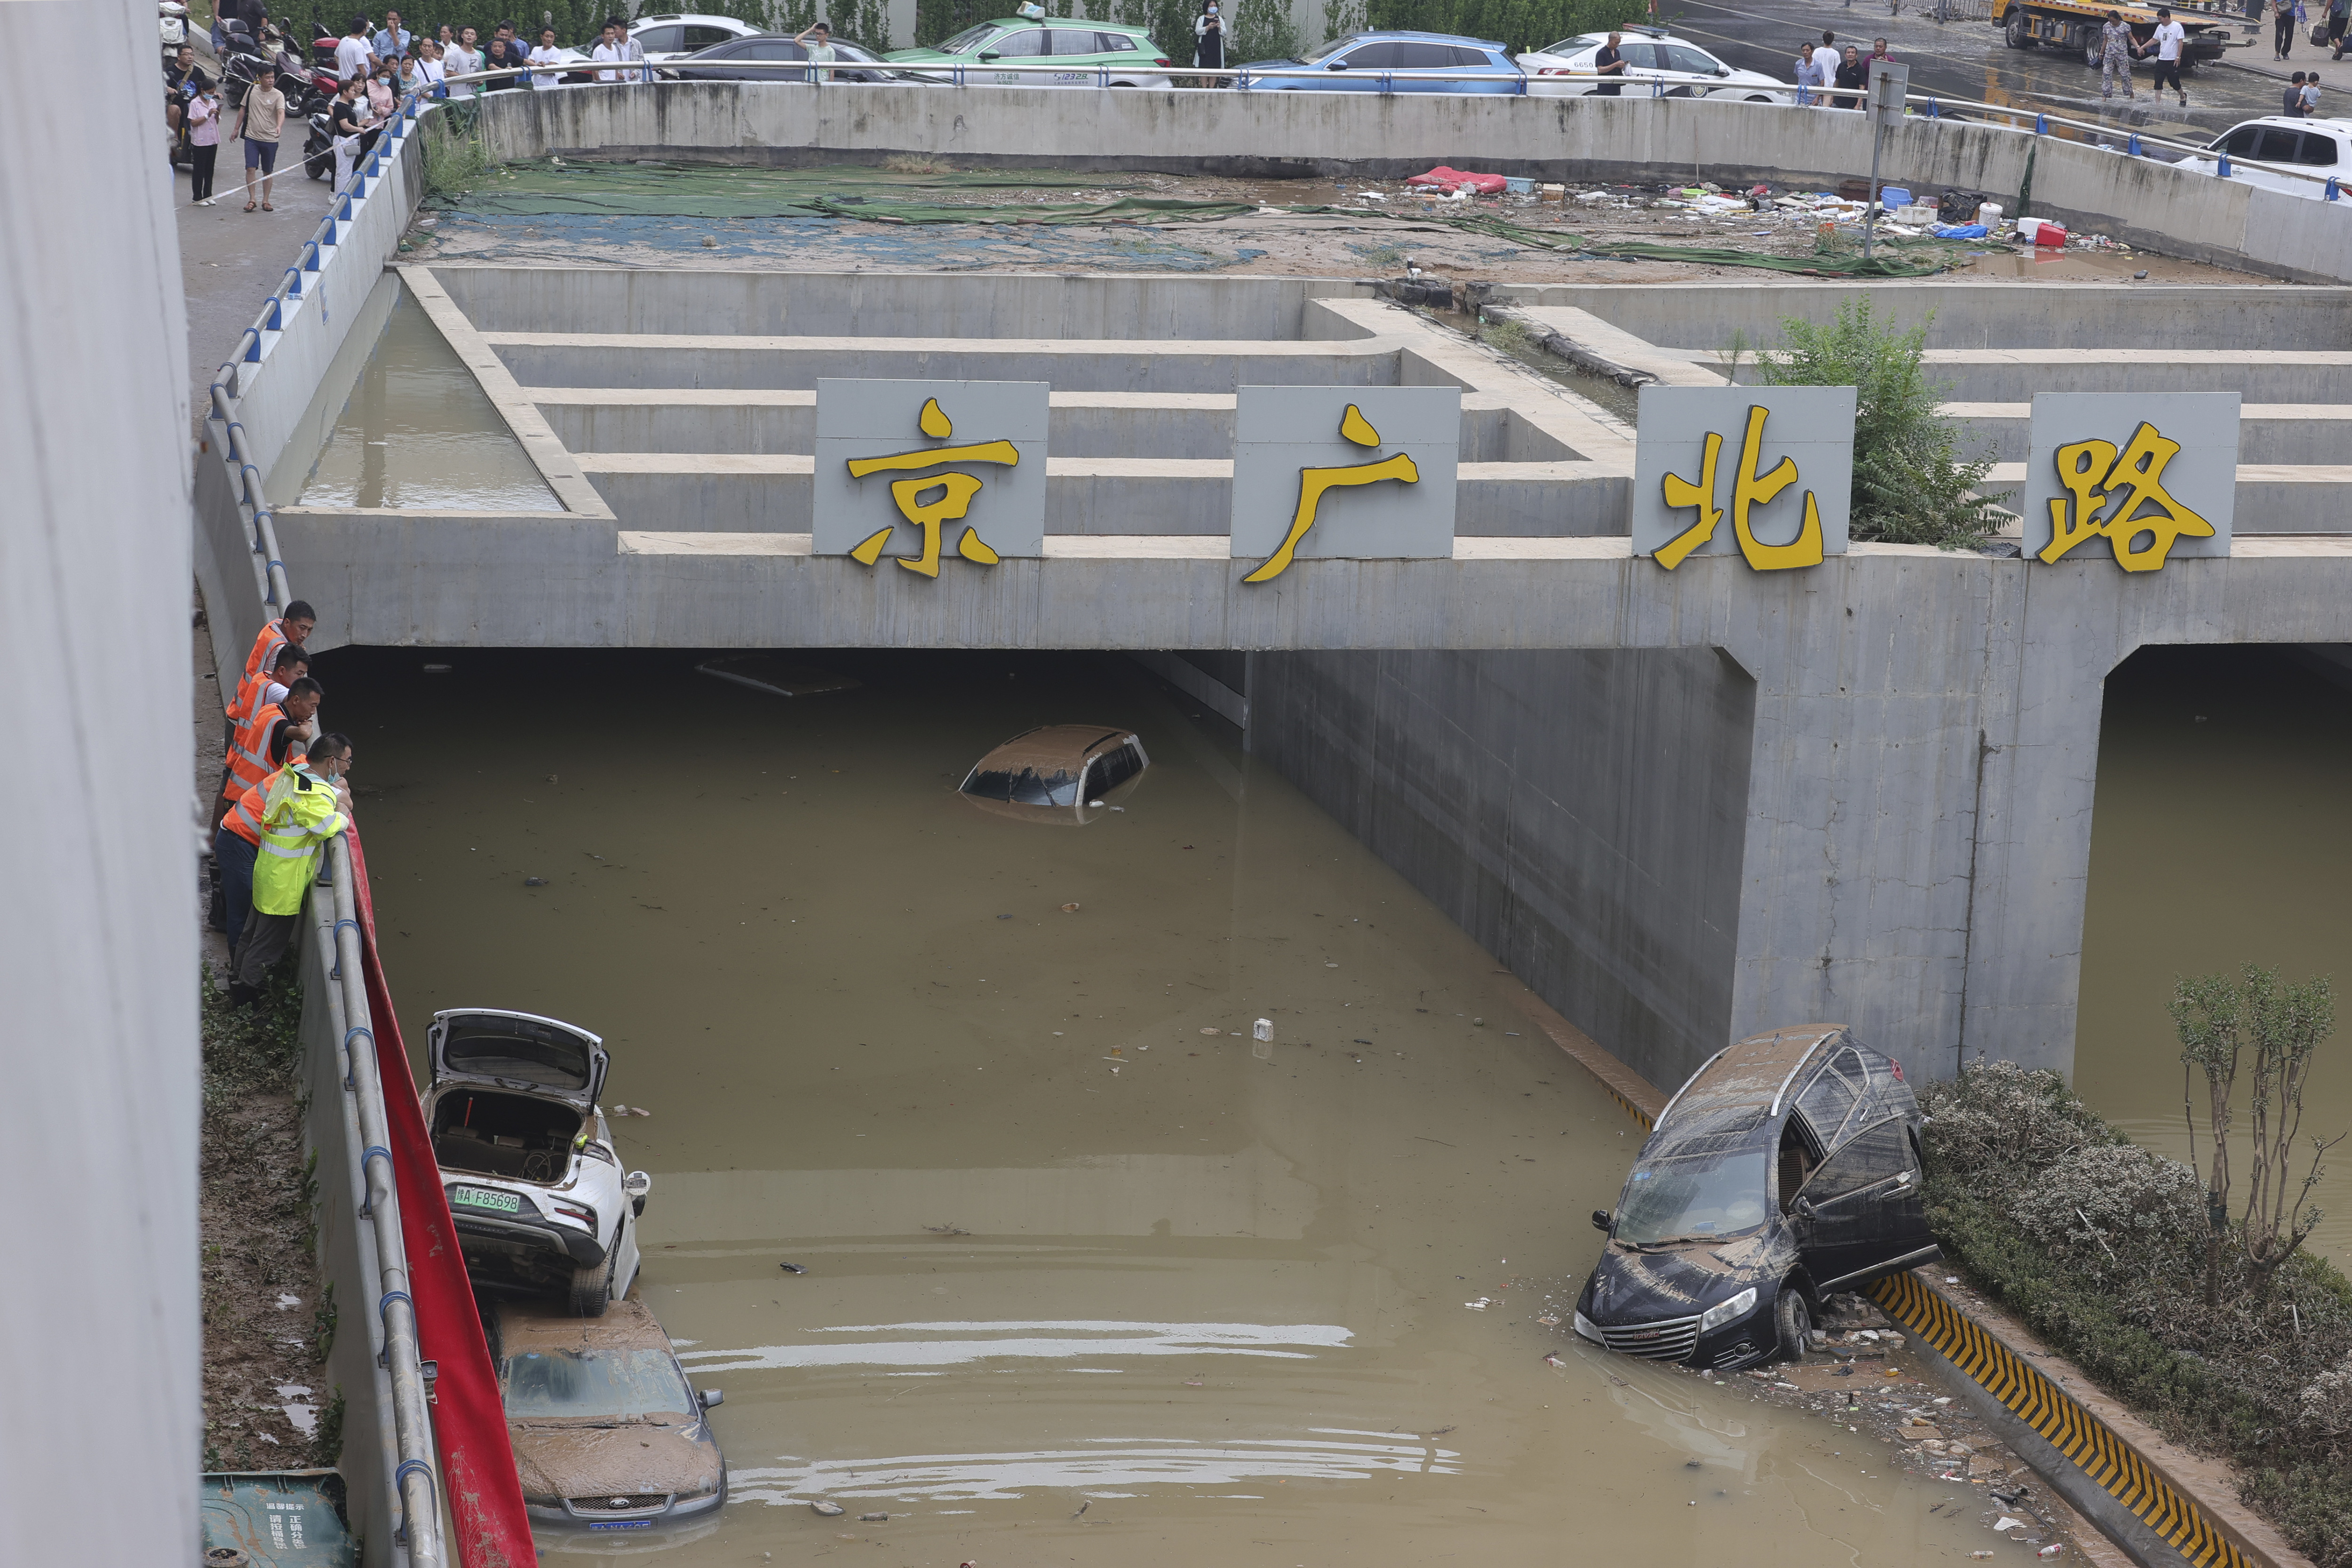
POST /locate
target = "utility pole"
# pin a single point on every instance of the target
(1888, 84)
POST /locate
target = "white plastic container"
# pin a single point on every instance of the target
(1989, 215)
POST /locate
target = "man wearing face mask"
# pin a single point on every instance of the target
(306, 806)
(1209, 39)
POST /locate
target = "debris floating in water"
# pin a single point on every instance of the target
(797, 1268)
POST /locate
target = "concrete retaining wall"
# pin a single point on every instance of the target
(1590, 139)
(1580, 814)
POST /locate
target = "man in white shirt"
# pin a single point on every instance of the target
(428, 68)
(2169, 37)
(462, 58)
(617, 46)
(546, 53)
(353, 58)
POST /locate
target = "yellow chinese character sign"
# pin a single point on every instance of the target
(1765, 473)
(2139, 478)
(926, 472)
(1346, 473)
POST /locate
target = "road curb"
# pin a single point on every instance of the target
(2161, 1505)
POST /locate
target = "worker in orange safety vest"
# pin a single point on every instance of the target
(294, 626)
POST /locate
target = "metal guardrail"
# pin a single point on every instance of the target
(416, 1474)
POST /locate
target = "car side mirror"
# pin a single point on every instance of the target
(712, 1397)
(1804, 1207)
(1601, 1219)
(1723, 70)
(1336, 66)
(988, 54)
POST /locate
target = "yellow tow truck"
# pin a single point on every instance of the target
(2074, 26)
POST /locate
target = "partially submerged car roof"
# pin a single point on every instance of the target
(532, 1325)
(1738, 1092)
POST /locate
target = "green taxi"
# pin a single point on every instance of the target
(1053, 51)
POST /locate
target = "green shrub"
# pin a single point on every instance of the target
(1910, 486)
(2096, 1245)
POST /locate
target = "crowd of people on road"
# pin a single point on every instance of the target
(284, 795)
(1827, 77)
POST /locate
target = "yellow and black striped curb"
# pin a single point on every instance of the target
(2082, 1438)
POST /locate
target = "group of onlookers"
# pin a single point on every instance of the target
(1825, 76)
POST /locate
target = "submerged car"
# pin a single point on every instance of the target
(1358, 62)
(1059, 773)
(1657, 64)
(535, 1187)
(608, 1432)
(1786, 1168)
(1081, 53)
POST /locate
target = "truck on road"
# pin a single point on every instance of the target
(2074, 26)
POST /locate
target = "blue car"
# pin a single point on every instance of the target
(1363, 62)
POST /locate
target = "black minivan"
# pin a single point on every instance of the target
(1786, 1168)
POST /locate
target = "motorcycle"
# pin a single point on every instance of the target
(241, 62)
(319, 148)
(173, 19)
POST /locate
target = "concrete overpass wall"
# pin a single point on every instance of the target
(2137, 200)
(1582, 813)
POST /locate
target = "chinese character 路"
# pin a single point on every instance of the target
(1749, 490)
(2092, 473)
(951, 493)
(1315, 483)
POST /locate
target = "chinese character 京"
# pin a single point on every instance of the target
(1315, 483)
(1750, 489)
(2093, 473)
(951, 493)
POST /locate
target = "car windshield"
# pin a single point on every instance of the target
(1325, 51)
(964, 42)
(1693, 1197)
(619, 1384)
(1575, 46)
(1026, 786)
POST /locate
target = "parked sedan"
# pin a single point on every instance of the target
(1359, 62)
(1083, 53)
(1655, 64)
(1786, 1168)
(672, 36)
(2322, 146)
(608, 1434)
(760, 58)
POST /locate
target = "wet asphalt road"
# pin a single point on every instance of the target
(1969, 60)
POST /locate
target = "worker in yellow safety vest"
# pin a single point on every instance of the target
(309, 807)
(238, 840)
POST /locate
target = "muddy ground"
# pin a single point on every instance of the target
(1391, 230)
(268, 1321)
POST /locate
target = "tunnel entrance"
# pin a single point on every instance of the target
(2219, 838)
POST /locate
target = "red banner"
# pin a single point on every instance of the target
(469, 1422)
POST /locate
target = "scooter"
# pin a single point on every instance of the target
(173, 19)
(319, 148)
(240, 62)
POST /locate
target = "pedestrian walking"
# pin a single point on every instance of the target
(548, 55)
(203, 138)
(2116, 47)
(297, 823)
(2283, 16)
(260, 121)
(2338, 13)
(817, 42)
(2170, 38)
(1209, 39)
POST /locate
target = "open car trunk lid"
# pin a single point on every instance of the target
(519, 1051)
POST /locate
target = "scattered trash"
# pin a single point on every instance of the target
(1551, 193)
(2053, 1550)
(1549, 1320)
(1980, 1554)
(1262, 1030)
(1477, 1023)
(534, 882)
(873, 1518)
(1553, 1361)
(1445, 179)
(1192, 1383)
(2135, 275)
(1069, 909)
(1959, 231)
(1213, 1031)
(2006, 1522)
(797, 1268)
(829, 1509)
(1083, 1507)
(947, 1231)
(1951, 1279)
(1480, 1305)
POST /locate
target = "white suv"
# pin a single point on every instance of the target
(534, 1183)
(2322, 146)
(1657, 64)
(669, 36)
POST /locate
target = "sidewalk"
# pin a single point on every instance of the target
(2335, 75)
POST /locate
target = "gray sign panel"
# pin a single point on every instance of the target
(2166, 461)
(931, 471)
(1343, 473)
(1710, 476)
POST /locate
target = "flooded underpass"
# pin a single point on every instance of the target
(1091, 1273)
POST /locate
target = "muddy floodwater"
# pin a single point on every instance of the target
(2219, 838)
(1092, 1275)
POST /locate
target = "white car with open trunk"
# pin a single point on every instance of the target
(535, 1185)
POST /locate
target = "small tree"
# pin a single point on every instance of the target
(1910, 486)
(2283, 1024)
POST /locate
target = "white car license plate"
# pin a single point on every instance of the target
(482, 1197)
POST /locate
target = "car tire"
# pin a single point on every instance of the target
(592, 1289)
(2089, 36)
(2013, 29)
(1793, 1321)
